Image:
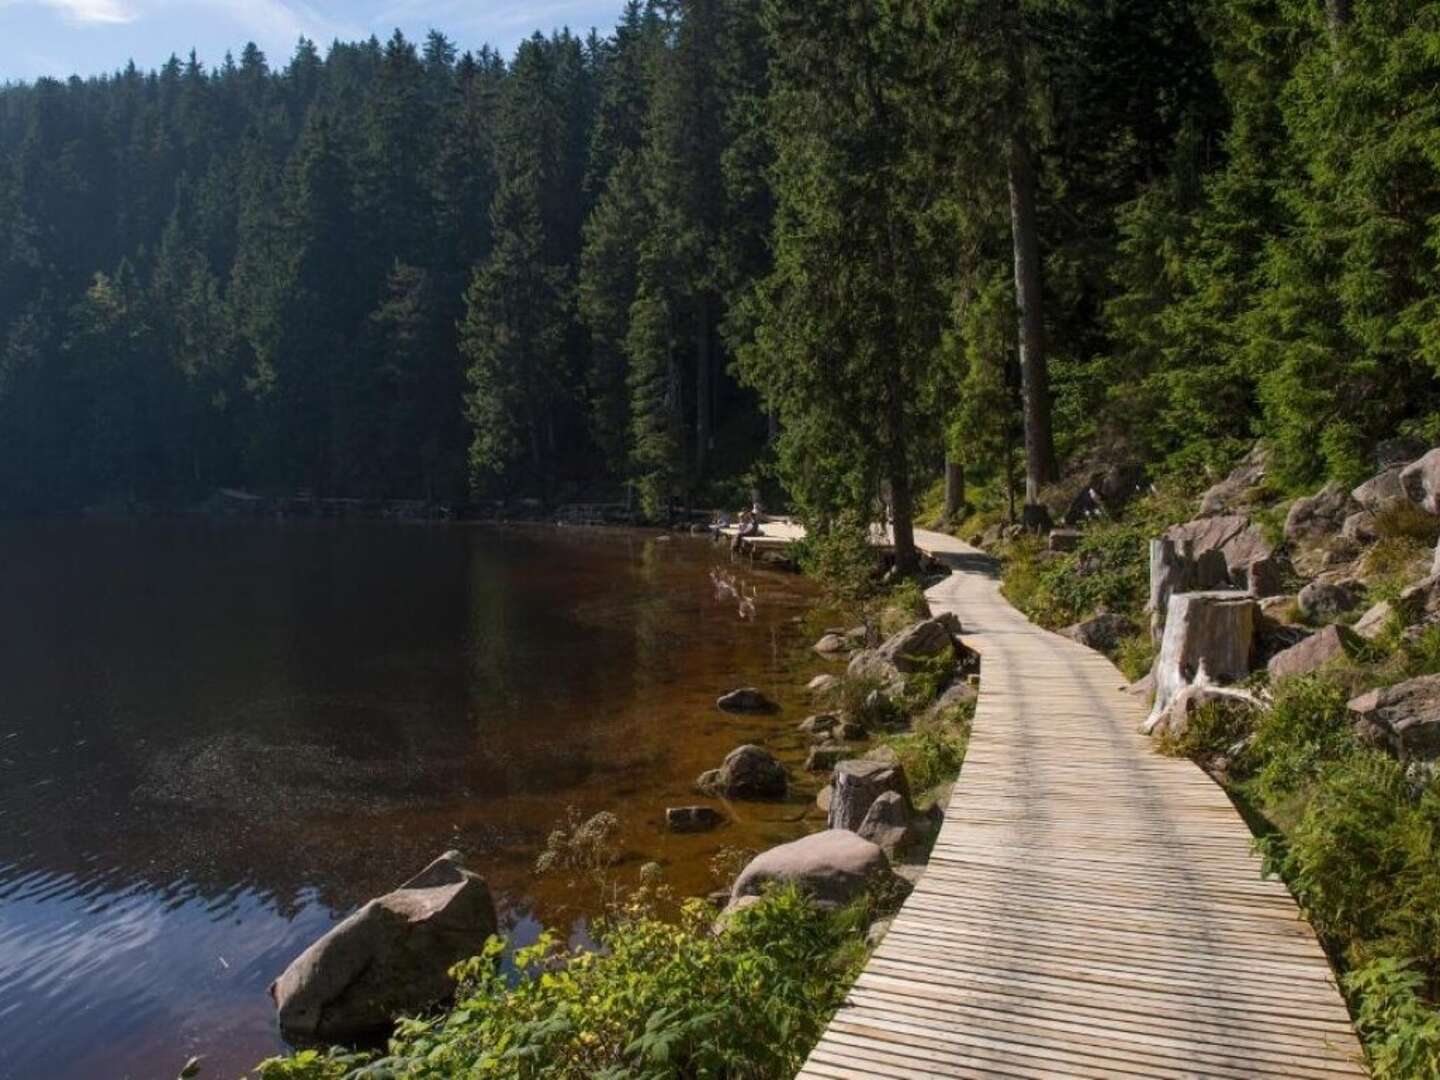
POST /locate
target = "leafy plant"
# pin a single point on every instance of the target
(658, 999)
(933, 751)
(1401, 1029)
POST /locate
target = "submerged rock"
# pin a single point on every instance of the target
(392, 956)
(822, 685)
(833, 867)
(832, 644)
(745, 700)
(693, 819)
(749, 772)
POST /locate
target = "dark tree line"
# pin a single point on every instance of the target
(840, 243)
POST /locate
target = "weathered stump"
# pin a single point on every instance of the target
(1209, 638)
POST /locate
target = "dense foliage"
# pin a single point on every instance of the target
(392, 270)
(660, 998)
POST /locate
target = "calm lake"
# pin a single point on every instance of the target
(219, 737)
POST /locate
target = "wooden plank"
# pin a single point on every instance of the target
(1091, 908)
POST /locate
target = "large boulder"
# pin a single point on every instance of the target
(889, 823)
(833, 867)
(1209, 639)
(1420, 481)
(1334, 642)
(1403, 719)
(392, 956)
(1106, 493)
(907, 650)
(1235, 490)
(832, 645)
(748, 772)
(1381, 491)
(1250, 560)
(1329, 599)
(1102, 632)
(858, 783)
(1373, 623)
(1320, 515)
(1421, 600)
(868, 664)
(1359, 529)
(745, 700)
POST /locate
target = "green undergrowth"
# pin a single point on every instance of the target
(933, 750)
(1108, 571)
(658, 998)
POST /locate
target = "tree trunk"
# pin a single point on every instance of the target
(702, 386)
(1025, 235)
(1337, 19)
(954, 489)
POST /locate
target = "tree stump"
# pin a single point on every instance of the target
(1174, 568)
(1209, 638)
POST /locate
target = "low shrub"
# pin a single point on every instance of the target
(1136, 655)
(1304, 729)
(1406, 521)
(657, 999)
(1109, 570)
(1400, 1028)
(1214, 728)
(934, 749)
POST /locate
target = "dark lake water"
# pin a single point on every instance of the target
(217, 738)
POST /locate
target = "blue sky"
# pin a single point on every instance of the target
(87, 37)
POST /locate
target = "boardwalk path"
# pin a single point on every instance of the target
(1091, 908)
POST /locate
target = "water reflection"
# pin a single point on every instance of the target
(216, 738)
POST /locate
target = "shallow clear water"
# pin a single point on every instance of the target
(217, 738)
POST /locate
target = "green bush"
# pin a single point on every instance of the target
(1109, 570)
(1401, 1030)
(1212, 729)
(1305, 729)
(934, 749)
(657, 999)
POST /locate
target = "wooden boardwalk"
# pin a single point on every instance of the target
(1091, 908)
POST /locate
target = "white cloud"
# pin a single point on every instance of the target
(102, 12)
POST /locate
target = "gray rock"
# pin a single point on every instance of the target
(877, 931)
(1329, 599)
(749, 772)
(888, 823)
(833, 867)
(1332, 643)
(1421, 600)
(1435, 562)
(1381, 491)
(1360, 529)
(1233, 492)
(745, 700)
(1403, 719)
(850, 731)
(1320, 515)
(869, 664)
(390, 957)
(821, 685)
(1250, 559)
(1373, 623)
(826, 756)
(693, 819)
(1421, 482)
(858, 783)
(831, 644)
(958, 693)
(907, 650)
(1102, 632)
(822, 724)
